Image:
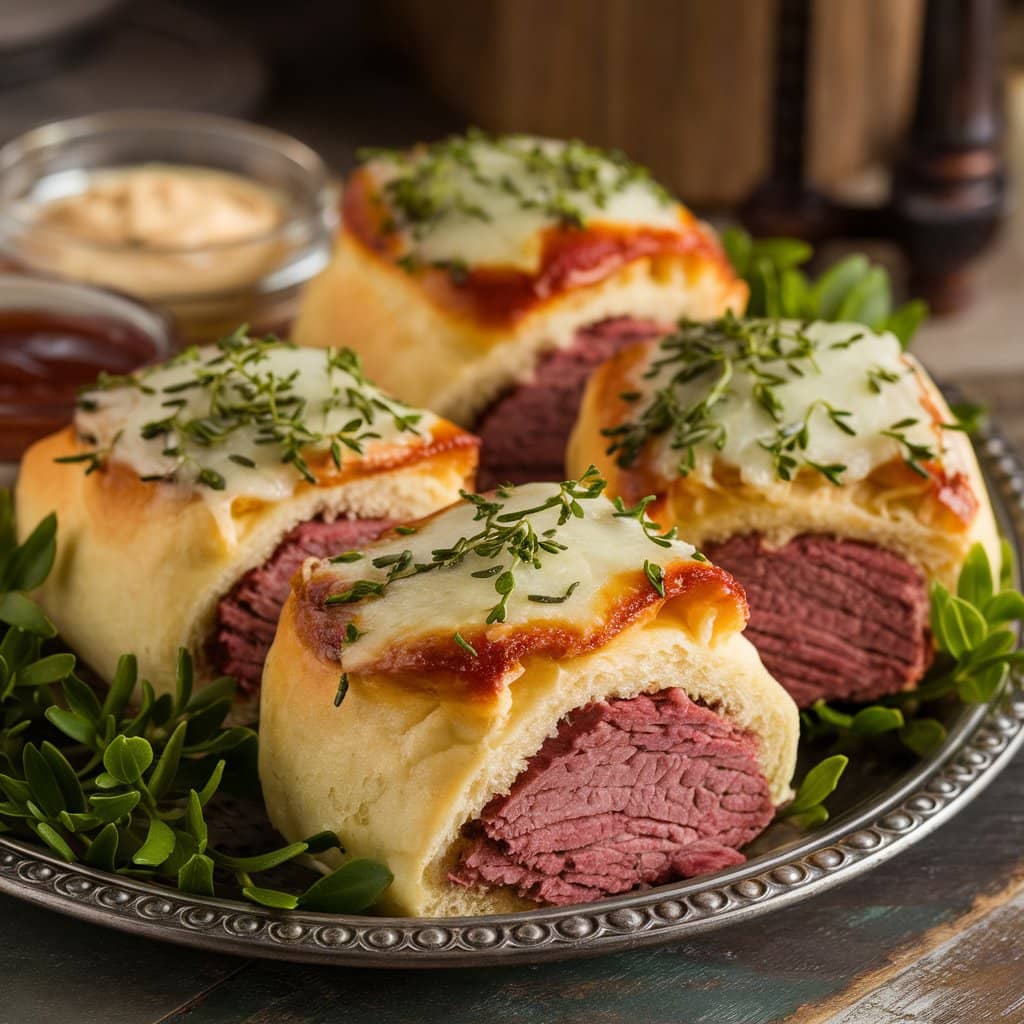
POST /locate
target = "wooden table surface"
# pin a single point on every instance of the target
(934, 936)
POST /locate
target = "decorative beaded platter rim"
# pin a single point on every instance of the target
(981, 741)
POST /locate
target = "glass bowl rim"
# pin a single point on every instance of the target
(314, 216)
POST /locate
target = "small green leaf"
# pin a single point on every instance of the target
(196, 875)
(817, 784)
(162, 776)
(350, 889)
(1006, 606)
(272, 898)
(875, 720)
(837, 282)
(904, 321)
(113, 808)
(983, 684)
(128, 757)
(33, 560)
(260, 862)
(102, 852)
(208, 791)
(831, 715)
(159, 845)
(195, 821)
(923, 736)
(67, 780)
(1007, 561)
(123, 685)
(55, 841)
(737, 244)
(811, 818)
(783, 253)
(322, 841)
(51, 669)
(82, 699)
(975, 582)
(45, 790)
(869, 301)
(17, 610)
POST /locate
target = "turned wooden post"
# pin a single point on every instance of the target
(949, 189)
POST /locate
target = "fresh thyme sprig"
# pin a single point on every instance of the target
(510, 538)
(915, 454)
(244, 400)
(456, 177)
(791, 439)
(506, 535)
(122, 780)
(721, 351)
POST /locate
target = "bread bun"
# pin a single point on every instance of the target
(150, 542)
(930, 512)
(438, 712)
(460, 263)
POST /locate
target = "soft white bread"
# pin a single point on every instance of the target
(451, 308)
(142, 564)
(429, 731)
(930, 513)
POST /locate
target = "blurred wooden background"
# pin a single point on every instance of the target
(682, 85)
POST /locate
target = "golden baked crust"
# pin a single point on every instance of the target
(931, 520)
(427, 733)
(141, 566)
(455, 345)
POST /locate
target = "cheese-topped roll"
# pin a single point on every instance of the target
(484, 277)
(189, 493)
(528, 700)
(817, 463)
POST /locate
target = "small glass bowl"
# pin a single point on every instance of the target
(210, 289)
(56, 336)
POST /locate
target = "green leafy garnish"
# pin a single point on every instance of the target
(233, 396)
(852, 289)
(976, 648)
(121, 781)
(808, 806)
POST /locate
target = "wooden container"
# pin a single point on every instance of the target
(681, 85)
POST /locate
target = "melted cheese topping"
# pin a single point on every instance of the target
(449, 600)
(490, 201)
(871, 379)
(308, 388)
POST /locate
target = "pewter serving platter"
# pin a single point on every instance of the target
(889, 805)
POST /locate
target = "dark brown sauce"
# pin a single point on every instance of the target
(46, 357)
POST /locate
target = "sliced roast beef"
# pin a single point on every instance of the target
(525, 432)
(832, 618)
(247, 616)
(627, 793)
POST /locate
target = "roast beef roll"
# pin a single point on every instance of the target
(485, 277)
(189, 493)
(528, 700)
(816, 462)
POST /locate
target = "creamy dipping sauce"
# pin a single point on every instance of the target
(162, 230)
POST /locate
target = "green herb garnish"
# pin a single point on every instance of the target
(851, 289)
(121, 780)
(458, 177)
(234, 395)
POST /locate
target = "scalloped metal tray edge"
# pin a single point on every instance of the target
(982, 742)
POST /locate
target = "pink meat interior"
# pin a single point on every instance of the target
(247, 616)
(525, 432)
(628, 793)
(832, 619)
